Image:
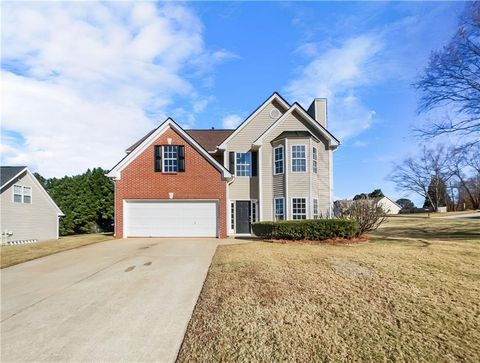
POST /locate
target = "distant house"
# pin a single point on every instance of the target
(388, 205)
(28, 213)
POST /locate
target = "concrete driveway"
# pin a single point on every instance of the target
(124, 300)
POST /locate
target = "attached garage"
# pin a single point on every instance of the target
(169, 218)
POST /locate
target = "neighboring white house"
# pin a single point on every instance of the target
(27, 212)
(388, 205)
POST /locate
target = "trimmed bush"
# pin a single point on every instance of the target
(310, 229)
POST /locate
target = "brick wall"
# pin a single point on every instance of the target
(201, 180)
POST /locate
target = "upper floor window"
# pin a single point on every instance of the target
(22, 194)
(244, 164)
(169, 158)
(299, 159)
(279, 209)
(299, 208)
(278, 159)
(314, 159)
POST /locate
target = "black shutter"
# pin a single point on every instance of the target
(254, 163)
(181, 158)
(231, 159)
(158, 157)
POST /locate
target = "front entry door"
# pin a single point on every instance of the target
(242, 216)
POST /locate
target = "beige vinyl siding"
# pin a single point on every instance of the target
(299, 184)
(37, 220)
(245, 188)
(321, 180)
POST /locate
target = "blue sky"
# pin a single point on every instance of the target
(82, 81)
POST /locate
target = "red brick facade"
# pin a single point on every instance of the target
(201, 180)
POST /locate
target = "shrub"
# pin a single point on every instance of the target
(312, 229)
(366, 212)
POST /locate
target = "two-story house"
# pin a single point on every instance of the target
(27, 213)
(276, 165)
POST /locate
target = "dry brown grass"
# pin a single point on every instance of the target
(12, 255)
(402, 300)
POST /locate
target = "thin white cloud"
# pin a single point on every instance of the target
(231, 121)
(81, 81)
(338, 73)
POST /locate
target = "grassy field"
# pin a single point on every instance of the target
(409, 295)
(12, 255)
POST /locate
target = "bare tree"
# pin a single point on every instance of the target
(452, 79)
(423, 175)
(463, 163)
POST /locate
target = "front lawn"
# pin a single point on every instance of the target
(412, 294)
(12, 255)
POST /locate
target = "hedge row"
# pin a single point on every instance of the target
(311, 229)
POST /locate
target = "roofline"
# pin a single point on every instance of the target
(297, 106)
(258, 109)
(17, 175)
(114, 173)
(391, 200)
(324, 128)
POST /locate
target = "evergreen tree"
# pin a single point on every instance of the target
(437, 194)
(377, 193)
(86, 200)
(406, 204)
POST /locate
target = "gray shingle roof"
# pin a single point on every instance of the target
(7, 173)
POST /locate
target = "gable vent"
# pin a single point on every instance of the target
(275, 113)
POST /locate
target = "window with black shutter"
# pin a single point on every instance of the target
(181, 158)
(231, 159)
(158, 158)
(254, 163)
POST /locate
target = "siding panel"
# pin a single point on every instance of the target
(37, 220)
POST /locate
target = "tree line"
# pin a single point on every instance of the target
(85, 199)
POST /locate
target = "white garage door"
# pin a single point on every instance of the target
(170, 219)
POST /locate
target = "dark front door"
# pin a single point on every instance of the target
(242, 216)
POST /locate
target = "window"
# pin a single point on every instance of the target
(17, 194)
(22, 194)
(232, 216)
(170, 159)
(315, 208)
(299, 208)
(244, 164)
(279, 209)
(299, 160)
(315, 160)
(253, 211)
(278, 160)
(27, 195)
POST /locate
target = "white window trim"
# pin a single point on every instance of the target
(306, 206)
(31, 194)
(275, 209)
(250, 172)
(22, 193)
(282, 160)
(313, 209)
(291, 159)
(315, 160)
(165, 159)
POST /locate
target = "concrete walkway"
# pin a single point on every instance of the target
(124, 300)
